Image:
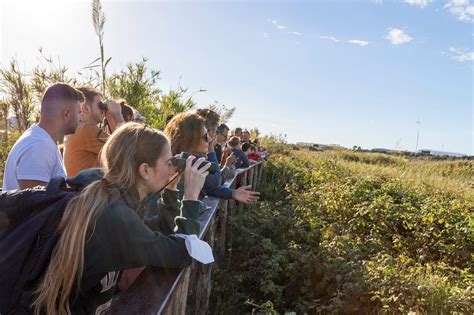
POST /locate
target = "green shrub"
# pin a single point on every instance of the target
(341, 232)
(5, 147)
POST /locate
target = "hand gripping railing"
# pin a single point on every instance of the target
(180, 291)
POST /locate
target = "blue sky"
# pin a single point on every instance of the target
(346, 72)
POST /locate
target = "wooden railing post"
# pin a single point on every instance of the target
(231, 202)
(178, 302)
(250, 176)
(255, 171)
(219, 244)
(243, 182)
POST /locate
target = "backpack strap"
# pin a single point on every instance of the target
(54, 185)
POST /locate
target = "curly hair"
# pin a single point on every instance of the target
(184, 131)
(211, 118)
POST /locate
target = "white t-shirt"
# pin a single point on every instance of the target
(34, 156)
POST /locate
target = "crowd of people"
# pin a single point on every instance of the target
(143, 207)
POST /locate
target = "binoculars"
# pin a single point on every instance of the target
(180, 163)
(103, 106)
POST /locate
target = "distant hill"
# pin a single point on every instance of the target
(443, 153)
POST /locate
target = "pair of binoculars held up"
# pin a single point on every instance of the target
(103, 106)
(180, 163)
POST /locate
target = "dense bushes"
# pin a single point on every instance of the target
(334, 236)
(5, 146)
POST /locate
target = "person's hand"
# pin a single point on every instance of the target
(246, 195)
(212, 142)
(227, 151)
(194, 177)
(230, 160)
(114, 108)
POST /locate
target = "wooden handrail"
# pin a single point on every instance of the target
(176, 291)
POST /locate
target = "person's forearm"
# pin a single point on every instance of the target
(115, 120)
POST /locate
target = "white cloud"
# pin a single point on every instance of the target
(277, 25)
(459, 2)
(398, 37)
(461, 55)
(362, 43)
(265, 35)
(330, 38)
(469, 56)
(420, 3)
(463, 10)
(295, 33)
(378, 2)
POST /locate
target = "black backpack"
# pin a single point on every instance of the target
(28, 234)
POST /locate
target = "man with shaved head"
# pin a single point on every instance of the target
(35, 158)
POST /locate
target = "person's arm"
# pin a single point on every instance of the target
(30, 183)
(212, 157)
(167, 209)
(114, 120)
(35, 166)
(225, 154)
(245, 160)
(213, 187)
(114, 115)
(124, 241)
(218, 150)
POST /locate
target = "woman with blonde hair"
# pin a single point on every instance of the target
(103, 232)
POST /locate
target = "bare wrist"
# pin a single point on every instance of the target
(190, 197)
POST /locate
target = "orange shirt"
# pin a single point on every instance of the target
(81, 149)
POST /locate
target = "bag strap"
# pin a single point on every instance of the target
(54, 185)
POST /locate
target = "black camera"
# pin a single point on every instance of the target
(103, 106)
(180, 163)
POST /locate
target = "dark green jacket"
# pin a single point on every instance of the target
(130, 235)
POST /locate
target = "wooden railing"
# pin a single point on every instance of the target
(180, 291)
